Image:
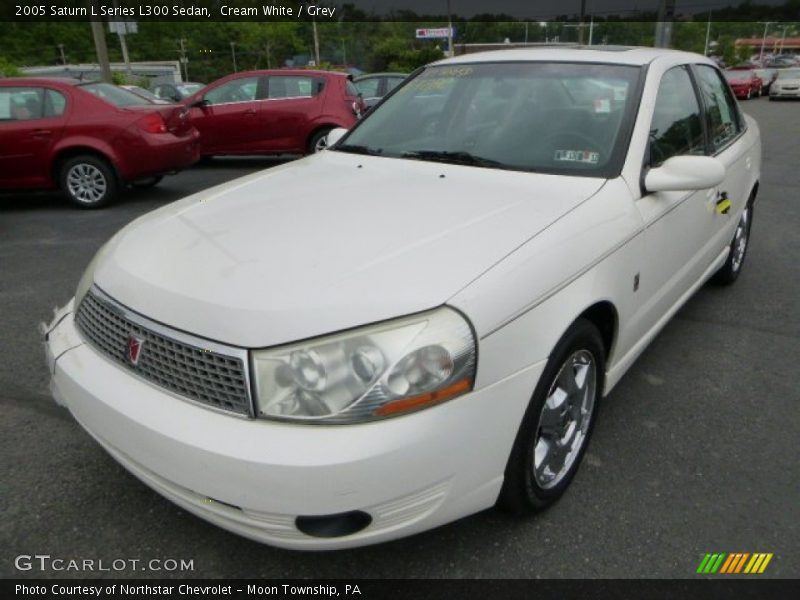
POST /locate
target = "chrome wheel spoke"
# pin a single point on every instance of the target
(564, 419)
(86, 183)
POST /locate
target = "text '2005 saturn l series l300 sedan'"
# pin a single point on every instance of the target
(420, 322)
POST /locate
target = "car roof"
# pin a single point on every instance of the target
(621, 55)
(40, 80)
(381, 74)
(307, 72)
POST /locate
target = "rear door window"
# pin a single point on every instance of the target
(293, 86)
(722, 114)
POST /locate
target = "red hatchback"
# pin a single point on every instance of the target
(273, 112)
(88, 139)
(745, 83)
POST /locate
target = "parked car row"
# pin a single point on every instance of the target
(89, 139)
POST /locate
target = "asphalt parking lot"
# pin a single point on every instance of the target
(695, 451)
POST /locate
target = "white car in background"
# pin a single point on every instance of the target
(787, 84)
(420, 322)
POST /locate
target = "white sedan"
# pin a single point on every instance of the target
(422, 321)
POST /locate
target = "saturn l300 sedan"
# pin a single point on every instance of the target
(422, 321)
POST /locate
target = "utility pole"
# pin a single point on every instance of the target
(526, 32)
(591, 29)
(64, 58)
(122, 32)
(316, 42)
(449, 30)
(708, 34)
(666, 13)
(100, 47)
(580, 27)
(184, 59)
(766, 25)
(233, 55)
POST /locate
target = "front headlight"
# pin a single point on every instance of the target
(368, 373)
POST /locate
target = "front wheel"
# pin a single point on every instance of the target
(555, 430)
(88, 181)
(729, 272)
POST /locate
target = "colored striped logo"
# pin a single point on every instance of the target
(735, 562)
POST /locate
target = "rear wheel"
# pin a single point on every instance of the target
(88, 181)
(318, 141)
(555, 430)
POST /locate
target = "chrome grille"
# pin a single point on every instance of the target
(190, 369)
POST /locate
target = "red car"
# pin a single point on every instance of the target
(88, 139)
(273, 112)
(745, 83)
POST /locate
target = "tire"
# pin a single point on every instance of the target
(729, 272)
(531, 483)
(317, 142)
(144, 184)
(88, 181)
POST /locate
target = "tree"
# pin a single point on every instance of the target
(7, 69)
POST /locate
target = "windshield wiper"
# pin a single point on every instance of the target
(357, 149)
(456, 158)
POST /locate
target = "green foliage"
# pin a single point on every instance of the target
(371, 46)
(7, 69)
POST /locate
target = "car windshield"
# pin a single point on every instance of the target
(115, 95)
(789, 74)
(527, 116)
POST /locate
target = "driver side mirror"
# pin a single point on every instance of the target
(200, 103)
(684, 173)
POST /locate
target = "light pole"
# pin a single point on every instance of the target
(708, 34)
(449, 30)
(766, 25)
(64, 58)
(233, 55)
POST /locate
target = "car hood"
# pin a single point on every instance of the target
(788, 81)
(327, 243)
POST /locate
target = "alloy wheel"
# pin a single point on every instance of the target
(740, 239)
(565, 419)
(86, 183)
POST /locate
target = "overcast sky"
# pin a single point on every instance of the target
(542, 9)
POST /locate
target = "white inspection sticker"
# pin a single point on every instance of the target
(602, 105)
(582, 156)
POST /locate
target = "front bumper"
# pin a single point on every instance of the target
(784, 93)
(255, 477)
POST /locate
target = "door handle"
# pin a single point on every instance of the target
(251, 112)
(41, 133)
